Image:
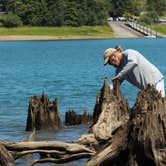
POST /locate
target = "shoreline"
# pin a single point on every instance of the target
(49, 38)
(37, 37)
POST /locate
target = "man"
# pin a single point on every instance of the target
(135, 68)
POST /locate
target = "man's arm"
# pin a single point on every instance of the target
(128, 67)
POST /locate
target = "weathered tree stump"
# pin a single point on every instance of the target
(118, 136)
(141, 141)
(111, 111)
(43, 114)
(72, 118)
(147, 143)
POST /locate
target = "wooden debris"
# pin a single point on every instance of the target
(6, 158)
(118, 136)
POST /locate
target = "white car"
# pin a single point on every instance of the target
(162, 20)
(121, 18)
(110, 19)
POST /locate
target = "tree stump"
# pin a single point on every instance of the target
(147, 141)
(72, 118)
(111, 111)
(43, 114)
(141, 140)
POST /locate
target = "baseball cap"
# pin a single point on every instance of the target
(107, 53)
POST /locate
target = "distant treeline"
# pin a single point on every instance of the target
(76, 12)
(58, 12)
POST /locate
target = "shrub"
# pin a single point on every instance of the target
(153, 15)
(149, 18)
(11, 20)
(146, 20)
(127, 15)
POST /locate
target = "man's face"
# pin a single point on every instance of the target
(114, 60)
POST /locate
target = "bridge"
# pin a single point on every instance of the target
(130, 29)
(144, 30)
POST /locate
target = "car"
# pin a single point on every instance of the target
(122, 18)
(162, 20)
(110, 19)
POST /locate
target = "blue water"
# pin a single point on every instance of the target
(71, 70)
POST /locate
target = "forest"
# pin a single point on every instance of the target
(76, 12)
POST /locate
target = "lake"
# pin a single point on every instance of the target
(71, 70)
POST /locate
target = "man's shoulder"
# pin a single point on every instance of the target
(128, 51)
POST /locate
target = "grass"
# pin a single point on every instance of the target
(84, 31)
(161, 28)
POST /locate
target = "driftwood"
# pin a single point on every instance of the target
(43, 114)
(62, 152)
(6, 158)
(72, 118)
(118, 136)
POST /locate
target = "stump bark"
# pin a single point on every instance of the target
(119, 136)
(72, 118)
(141, 140)
(147, 141)
(43, 114)
(111, 111)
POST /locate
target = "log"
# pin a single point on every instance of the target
(43, 114)
(72, 118)
(60, 151)
(6, 158)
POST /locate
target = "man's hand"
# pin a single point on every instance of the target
(116, 82)
(116, 78)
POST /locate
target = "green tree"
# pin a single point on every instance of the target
(158, 6)
(60, 12)
(120, 7)
(101, 11)
(31, 12)
(3, 4)
(82, 12)
(55, 14)
(11, 20)
(11, 6)
(39, 14)
(71, 13)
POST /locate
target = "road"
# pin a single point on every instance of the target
(122, 31)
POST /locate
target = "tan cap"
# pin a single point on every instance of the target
(107, 54)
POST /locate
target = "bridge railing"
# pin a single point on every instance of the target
(144, 30)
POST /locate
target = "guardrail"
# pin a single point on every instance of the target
(144, 30)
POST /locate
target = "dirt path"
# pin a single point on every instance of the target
(122, 31)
